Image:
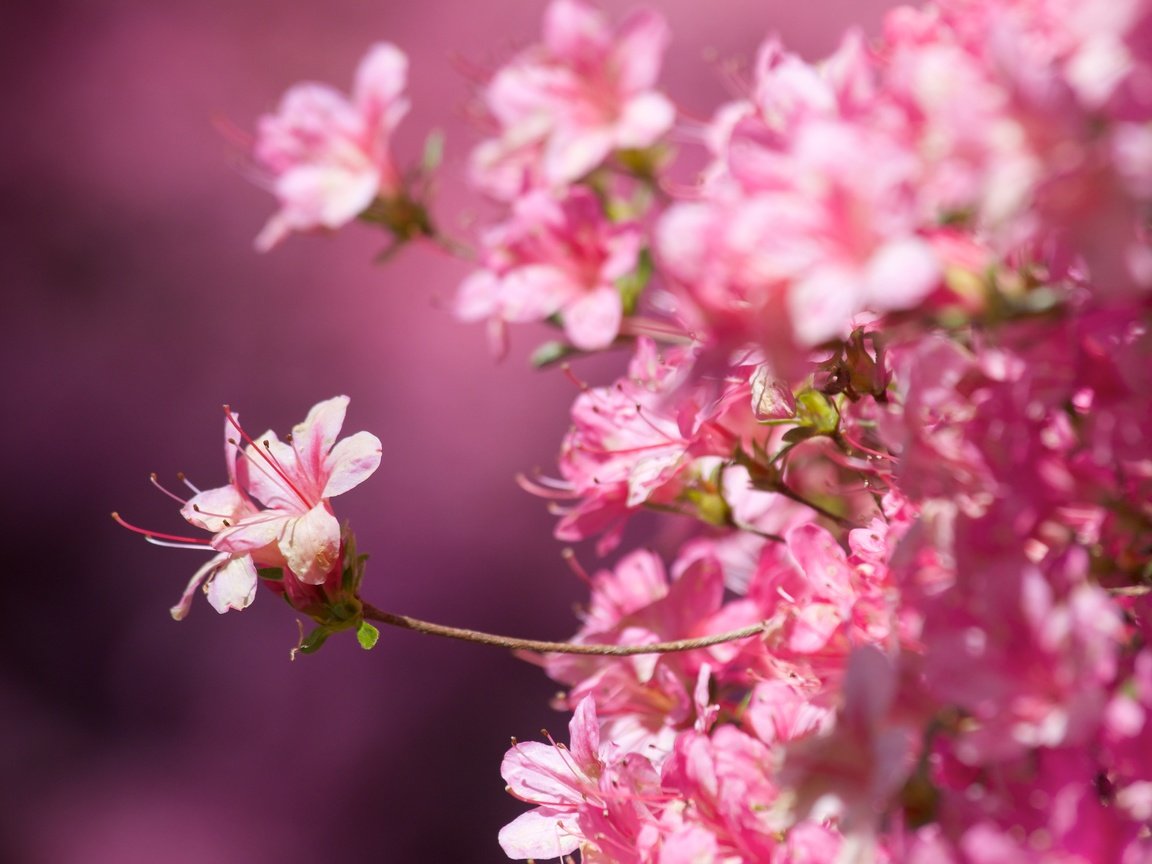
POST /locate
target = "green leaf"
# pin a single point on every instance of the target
(549, 353)
(632, 285)
(433, 151)
(272, 574)
(367, 635)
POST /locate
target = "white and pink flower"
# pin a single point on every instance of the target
(556, 255)
(275, 510)
(565, 105)
(327, 156)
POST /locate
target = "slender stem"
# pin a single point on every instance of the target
(789, 492)
(535, 646)
(1130, 591)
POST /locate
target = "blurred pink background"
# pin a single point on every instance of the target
(134, 306)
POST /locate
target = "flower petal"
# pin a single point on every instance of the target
(234, 585)
(313, 438)
(593, 320)
(181, 609)
(542, 774)
(584, 734)
(644, 119)
(541, 834)
(311, 544)
(216, 509)
(380, 78)
(641, 41)
(535, 291)
(274, 476)
(351, 462)
(252, 532)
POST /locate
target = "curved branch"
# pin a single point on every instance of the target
(404, 622)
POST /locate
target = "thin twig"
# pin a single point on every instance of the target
(789, 492)
(535, 646)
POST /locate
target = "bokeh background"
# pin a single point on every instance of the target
(133, 306)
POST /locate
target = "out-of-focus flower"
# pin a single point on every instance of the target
(554, 256)
(565, 105)
(327, 157)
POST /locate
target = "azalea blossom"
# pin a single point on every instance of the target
(589, 796)
(327, 156)
(275, 511)
(563, 106)
(555, 255)
(295, 482)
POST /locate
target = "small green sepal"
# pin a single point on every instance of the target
(799, 433)
(312, 642)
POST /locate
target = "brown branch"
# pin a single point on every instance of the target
(404, 622)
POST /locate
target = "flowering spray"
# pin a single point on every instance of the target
(890, 370)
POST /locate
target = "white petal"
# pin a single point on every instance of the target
(234, 585)
(541, 834)
(311, 544)
(351, 462)
(181, 609)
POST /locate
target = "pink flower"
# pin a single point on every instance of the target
(809, 217)
(635, 442)
(274, 511)
(565, 105)
(560, 780)
(642, 700)
(854, 769)
(294, 482)
(555, 255)
(328, 157)
(727, 779)
(588, 799)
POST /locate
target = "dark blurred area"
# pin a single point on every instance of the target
(134, 307)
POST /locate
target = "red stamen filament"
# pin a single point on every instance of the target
(176, 538)
(265, 451)
(569, 556)
(566, 369)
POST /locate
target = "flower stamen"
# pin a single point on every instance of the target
(266, 452)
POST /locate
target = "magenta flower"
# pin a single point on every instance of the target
(565, 105)
(328, 156)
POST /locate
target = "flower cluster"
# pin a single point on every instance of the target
(890, 356)
(890, 372)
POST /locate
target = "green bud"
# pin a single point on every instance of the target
(817, 412)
